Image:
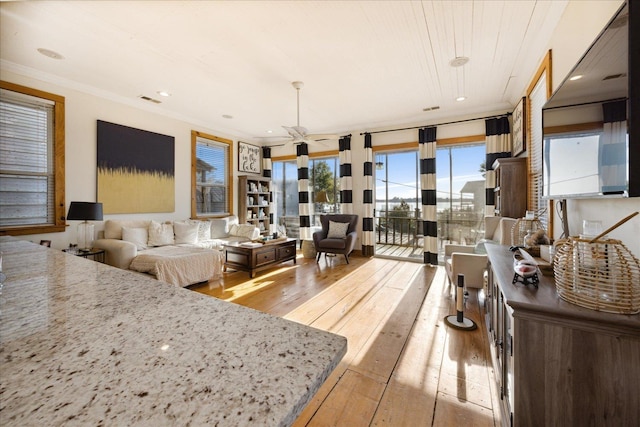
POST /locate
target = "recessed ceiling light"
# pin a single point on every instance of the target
(163, 93)
(50, 53)
(461, 98)
(269, 131)
(458, 61)
(578, 77)
(227, 116)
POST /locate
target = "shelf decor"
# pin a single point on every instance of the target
(248, 157)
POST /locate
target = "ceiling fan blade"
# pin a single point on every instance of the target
(295, 132)
(323, 137)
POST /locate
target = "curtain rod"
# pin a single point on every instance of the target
(439, 124)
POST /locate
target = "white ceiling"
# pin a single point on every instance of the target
(365, 64)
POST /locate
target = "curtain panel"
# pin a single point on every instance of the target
(368, 234)
(498, 145)
(427, 152)
(346, 180)
(613, 148)
(304, 208)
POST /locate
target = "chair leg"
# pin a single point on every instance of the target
(318, 258)
(346, 257)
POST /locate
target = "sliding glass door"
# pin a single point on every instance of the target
(460, 200)
(398, 229)
(461, 194)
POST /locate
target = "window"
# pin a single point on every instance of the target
(31, 161)
(211, 188)
(538, 92)
(461, 194)
(324, 191)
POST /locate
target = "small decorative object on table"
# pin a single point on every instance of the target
(530, 234)
(598, 273)
(525, 270)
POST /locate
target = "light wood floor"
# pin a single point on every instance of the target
(404, 366)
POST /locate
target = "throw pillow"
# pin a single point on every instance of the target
(204, 230)
(185, 231)
(160, 234)
(245, 230)
(337, 230)
(137, 236)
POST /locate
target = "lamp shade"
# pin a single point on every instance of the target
(85, 211)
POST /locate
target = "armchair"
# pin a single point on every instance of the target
(341, 243)
(467, 259)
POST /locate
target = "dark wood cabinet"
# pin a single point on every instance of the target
(557, 363)
(511, 187)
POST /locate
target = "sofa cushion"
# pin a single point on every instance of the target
(337, 230)
(185, 232)
(113, 228)
(160, 234)
(136, 235)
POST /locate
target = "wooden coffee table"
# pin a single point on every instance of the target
(254, 259)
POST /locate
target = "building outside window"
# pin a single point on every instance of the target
(211, 175)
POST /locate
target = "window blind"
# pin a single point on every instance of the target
(537, 99)
(27, 175)
(212, 183)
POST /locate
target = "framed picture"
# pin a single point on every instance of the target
(519, 129)
(136, 170)
(248, 157)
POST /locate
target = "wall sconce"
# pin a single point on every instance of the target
(85, 211)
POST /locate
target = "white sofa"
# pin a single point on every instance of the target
(179, 252)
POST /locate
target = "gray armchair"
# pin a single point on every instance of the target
(336, 245)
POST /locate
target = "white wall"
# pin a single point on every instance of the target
(579, 26)
(81, 112)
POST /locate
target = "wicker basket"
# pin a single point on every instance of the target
(602, 276)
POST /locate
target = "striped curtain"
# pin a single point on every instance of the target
(367, 197)
(346, 181)
(304, 208)
(498, 145)
(266, 172)
(427, 151)
(613, 151)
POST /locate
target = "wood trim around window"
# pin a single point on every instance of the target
(194, 135)
(59, 224)
(544, 68)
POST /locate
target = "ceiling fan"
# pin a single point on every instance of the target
(298, 133)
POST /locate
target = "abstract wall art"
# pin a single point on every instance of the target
(136, 170)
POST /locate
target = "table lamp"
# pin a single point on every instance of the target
(85, 211)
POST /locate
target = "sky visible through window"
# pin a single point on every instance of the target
(466, 161)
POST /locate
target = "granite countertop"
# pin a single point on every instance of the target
(83, 343)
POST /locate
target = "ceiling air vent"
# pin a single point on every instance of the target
(437, 107)
(614, 76)
(146, 98)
